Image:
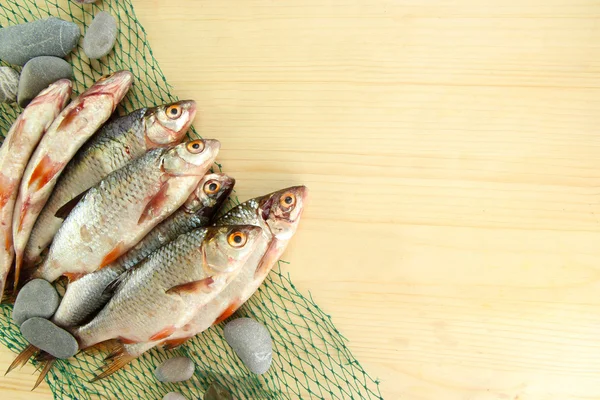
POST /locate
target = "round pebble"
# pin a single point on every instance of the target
(217, 392)
(174, 396)
(9, 81)
(36, 299)
(251, 341)
(176, 369)
(38, 74)
(100, 36)
(46, 336)
(46, 37)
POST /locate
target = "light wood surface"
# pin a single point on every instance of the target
(452, 151)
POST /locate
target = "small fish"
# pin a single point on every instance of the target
(278, 214)
(19, 143)
(164, 291)
(85, 296)
(117, 213)
(69, 131)
(114, 145)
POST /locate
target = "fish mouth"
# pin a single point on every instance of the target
(114, 85)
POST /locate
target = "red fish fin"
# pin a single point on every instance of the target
(73, 276)
(6, 189)
(66, 209)
(233, 307)
(268, 260)
(47, 367)
(202, 285)
(163, 334)
(44, 172)
(173, 343)
(155, 204)
(119, 359)
(112, 255)
(22, 358)
(127, 341)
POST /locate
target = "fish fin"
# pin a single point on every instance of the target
(173, 343)
(119, 359)
(18, 265)
(6, 189)
(73, 276)
(228, 312)
(114, 285)
(268, 260)
(112, 255)
(44, 172)
(124, 340)
(71, 116)
(47, 367)
(22, 358)
(66, 209)
(44, 356)
(202, 285)
(163, 334)
(154, 204)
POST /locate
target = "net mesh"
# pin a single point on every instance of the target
(310, 356)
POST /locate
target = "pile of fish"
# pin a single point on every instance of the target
(124, 209)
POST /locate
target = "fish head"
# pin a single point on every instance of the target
(282, 210)
(227, 248)
(60, 90)
(210, 193)
(114, 85)
(191, 158)
(168, 124)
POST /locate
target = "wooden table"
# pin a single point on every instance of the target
(452, 149)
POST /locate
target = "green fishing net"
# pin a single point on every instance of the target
(310, 356)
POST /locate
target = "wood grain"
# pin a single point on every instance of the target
(452, 151)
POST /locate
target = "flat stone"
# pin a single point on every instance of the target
(36, 299)
(217, 392)
(46, 37)
(38, 74)
(9, 81)
(174, 396)
(175, 369)
(252, 343)
(100, 36)
(46, 336)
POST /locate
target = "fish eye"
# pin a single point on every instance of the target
(212, 187)
(237, 239)
(195, 147)
(288, 200)
(174, 111)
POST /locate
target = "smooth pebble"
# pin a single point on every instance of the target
(37, 298)
(100, 36)
(176, 369)
(174, 396)
(38, 74)
(46, 336)
(217, 392)
(9, 81)
(46, 37)
(252, 343)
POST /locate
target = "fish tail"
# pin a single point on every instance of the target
(22, 358)
(18, 264)
(47, 367)
(115, 361)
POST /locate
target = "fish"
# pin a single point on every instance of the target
(69, 131)
(278, 214)
(85, 296)
(19, 143)
(118, 142)
(163, 292)
(117, 213)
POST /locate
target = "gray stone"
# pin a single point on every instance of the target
(46, 37)
(217, 392)
(176, 369)
(46, 336)
(36, 299)
(252, 343)
(174, 396)
(38, 74)
(100, 36)
(9, 81)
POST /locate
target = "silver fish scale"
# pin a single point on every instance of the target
(243, 214)
(141, 298)
(113, 146)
